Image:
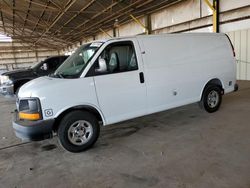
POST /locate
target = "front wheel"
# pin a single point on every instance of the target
(211, 98)
(78, 131)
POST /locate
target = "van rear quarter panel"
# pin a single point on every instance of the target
(178, 66)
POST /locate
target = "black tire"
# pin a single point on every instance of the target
(211, 105)
(69, 126)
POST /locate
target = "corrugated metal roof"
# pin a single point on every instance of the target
(60, 23)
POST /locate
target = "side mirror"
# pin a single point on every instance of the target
(44, 67)
(102, 66)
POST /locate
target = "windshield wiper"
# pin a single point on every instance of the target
(69, 76)
(60, 75)
(57, 75)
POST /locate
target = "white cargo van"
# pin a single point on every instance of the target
(105, 82)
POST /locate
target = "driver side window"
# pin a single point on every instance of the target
(116, 58)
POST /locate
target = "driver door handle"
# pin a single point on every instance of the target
(141, 75)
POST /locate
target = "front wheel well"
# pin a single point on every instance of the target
(19, 83)
(90, 109)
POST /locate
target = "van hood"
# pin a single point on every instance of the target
(39, 86)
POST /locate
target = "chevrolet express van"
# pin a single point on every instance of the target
(106, 82)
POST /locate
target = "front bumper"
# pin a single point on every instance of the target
(7, 89)
(33, 130)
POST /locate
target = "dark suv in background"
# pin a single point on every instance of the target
(11, 81)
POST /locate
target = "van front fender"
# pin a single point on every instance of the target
(86, 106)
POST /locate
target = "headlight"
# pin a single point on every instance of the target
(5, 80)
(29, 109)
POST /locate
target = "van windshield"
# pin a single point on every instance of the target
(76, 63)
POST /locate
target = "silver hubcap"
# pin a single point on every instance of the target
(213, 99)
(80, 132)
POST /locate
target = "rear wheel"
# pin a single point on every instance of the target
(211, 98)
(78, 131)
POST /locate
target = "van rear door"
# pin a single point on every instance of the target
(121, 91)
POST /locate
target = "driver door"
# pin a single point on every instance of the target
(121, 90)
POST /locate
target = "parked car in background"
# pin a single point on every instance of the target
(2, 71)
(11, 81)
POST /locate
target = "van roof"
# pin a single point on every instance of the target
(158, 35)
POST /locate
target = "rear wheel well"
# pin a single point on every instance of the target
(89, 109)
(216, 82)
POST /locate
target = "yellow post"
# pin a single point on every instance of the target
(215, 24)
(105, 32)
(139, 22)
(213, 8)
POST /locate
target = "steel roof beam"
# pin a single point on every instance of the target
(40, 17)
(3, 22)
(110, 6)
(67, 6)
(74, 16)
(113, 16)
(27, 15)
(42, 5)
